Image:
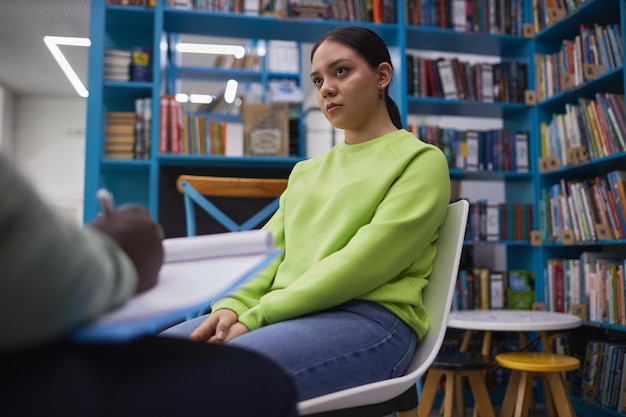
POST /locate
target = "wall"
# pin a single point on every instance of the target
(50, 149)
(7, 125)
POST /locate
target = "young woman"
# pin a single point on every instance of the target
(357, 226)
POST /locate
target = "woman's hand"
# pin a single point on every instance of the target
(219, 327)
(236, 330)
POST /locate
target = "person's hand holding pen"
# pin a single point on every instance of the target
(134, 230)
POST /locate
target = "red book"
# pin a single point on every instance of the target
(518, 221)
(457, 70)
(431, 80)
(503, 222)
(559, 286)
(423, 74)
(529, 221)
(613, 214)
(163, 124)
(600, 205)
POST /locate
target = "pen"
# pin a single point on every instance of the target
(105, 198)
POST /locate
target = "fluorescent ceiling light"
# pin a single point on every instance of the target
(194, 98)
(205, 48)
(201, 98)
(231, 91)
(181, 97)
(53, 42)
(261, 48)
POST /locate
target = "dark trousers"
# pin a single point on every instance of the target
(154, 376)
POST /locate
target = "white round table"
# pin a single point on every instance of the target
(510, 321)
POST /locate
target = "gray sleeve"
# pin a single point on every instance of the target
(53, 274)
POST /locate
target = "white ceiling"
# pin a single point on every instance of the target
(26, 65)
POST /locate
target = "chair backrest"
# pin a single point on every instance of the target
(196, 189)
(437, 300)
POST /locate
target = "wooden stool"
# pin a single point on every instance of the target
(527, 365)
(453, 365)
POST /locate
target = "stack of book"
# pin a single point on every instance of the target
(117, 64)
(119, 135)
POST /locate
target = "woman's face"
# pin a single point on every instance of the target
(347, 87)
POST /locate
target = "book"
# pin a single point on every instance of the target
(617, 181)
(590, 281)
(472, 143)
(266, 129)
(119, 129)
(521, 151)
(592, 368)
(492, 221)
(196, 271)
(164, 130)
(447, 79)
(497, 290)
(140, 64)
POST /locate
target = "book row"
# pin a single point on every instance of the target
(597, 127)
(202, 136)
(495, 222)
(145, 3)
(474, 150)
(263, 130)
(548, 12)
(603, 376)
(584, 210)
(592, 283)
(377, 11)
(486, 16)
(481, 288)
(188, 133)
(453, 79)
(594, 51)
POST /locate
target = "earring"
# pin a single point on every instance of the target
(380, 91)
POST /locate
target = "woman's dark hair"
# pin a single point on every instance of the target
(372, 48)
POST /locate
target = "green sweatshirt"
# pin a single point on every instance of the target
(359, 222)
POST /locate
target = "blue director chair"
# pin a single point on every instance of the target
(197, 189)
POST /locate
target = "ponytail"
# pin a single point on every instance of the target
(394, 112)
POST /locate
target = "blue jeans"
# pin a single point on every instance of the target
(352, 344)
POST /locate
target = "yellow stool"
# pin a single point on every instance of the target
(527, 365)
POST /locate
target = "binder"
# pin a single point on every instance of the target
(196, 272)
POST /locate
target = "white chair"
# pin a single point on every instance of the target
(384, 397)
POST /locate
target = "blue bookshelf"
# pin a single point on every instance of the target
(141, 181)
(612, 80)
(126, 26)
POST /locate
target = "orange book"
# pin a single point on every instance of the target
(377, 11)
(605, 137)
(593, 125)
(174, 124)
